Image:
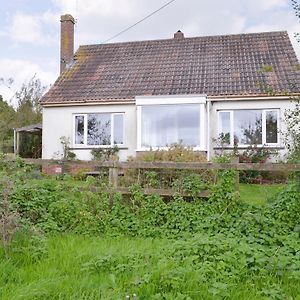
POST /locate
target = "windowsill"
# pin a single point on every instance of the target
(165, 148)
(92, 148)
(249, 147)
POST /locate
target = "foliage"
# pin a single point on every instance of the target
(104, 154)
(175, 153)
(57, 207)
(17, 169)
(28, 96)
(221, 142)
(177, 179)
(266, 68)
(285, 210)
(8, 218)
(254, 154)
(7, 117)
(67, 153)
(292, 137)
(206, 266)
(156, 249)
(296, 7)
(28, 111)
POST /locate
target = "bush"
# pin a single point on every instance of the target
(104, 154)
(255, 154)
(167, 178)
(53, 206)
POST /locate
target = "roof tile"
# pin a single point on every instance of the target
(229, 65)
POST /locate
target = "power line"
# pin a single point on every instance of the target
(140, 21)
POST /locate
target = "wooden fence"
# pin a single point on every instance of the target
(117, 168)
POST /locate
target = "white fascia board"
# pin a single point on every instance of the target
(170, 99)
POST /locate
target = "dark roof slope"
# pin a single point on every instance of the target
(229, 65)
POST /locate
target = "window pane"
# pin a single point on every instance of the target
(118, 129)
(248, 127)
(79, 130)
(271, 127)
(99, 129)
(224, 121)
(163, 125)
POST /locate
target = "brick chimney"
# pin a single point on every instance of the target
(179, 35)
(66, 41)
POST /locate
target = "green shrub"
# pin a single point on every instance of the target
(166, 178)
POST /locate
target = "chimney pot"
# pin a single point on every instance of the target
(66, 41)
(178, 35)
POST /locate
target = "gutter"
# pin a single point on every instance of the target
(253, 98)
(132, 101)
(59, 104)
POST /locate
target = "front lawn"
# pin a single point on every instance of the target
(78, 267)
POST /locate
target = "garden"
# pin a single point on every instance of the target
(63, 239)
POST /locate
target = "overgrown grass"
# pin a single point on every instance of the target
(78, 267)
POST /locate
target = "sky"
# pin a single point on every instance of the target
(30, 29)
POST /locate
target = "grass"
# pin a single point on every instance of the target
(79, 267)
(259, 194)
(69, 270)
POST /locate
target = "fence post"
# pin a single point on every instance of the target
(113, 182)
(113, 176)
(237, 174)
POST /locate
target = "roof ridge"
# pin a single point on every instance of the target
(266, 33)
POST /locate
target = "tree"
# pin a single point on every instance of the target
(28, 111)
(296, 7)
(7, 122)
(28, 108)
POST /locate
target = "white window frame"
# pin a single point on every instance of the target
(85, 144)
(172, 100)
(264, 134)
(113, 129)
(264, 127)
(231, 125)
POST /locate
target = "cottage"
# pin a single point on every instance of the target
(150, 94)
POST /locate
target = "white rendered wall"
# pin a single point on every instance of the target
(58, 122)
(282, 105)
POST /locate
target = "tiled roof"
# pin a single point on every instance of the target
(228, 65)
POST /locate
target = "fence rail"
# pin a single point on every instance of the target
(117, 168)
(174, 165)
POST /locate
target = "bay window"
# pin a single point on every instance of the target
(168, 124)
(99, 129)
(249, 127)
(166, 121)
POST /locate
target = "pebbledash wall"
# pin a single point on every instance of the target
(59, 121)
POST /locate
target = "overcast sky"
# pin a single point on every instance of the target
(29, 29)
